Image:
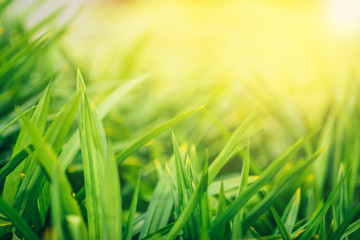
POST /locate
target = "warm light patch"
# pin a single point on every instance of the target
(344, 15)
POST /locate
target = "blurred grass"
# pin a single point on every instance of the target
(293, 44)
(282, 50)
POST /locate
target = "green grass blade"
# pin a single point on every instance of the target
(283, 231)
(39, 117)
(183, 186)
(46, 157)
(314, 223)
(255, 233)
(285, 184)
(173, 191)
(60, 127)
(237, 225)
(159, 209)
(121, 157)
(73, 145)
(354, 227)
(76, 227)
(132, 212)
(230, 146)
(67, 225)
(57, 213)
(36, 186)
(112, 198)
(19, 223)
(206, 215)
(14, 162)
(291, 212)
(16, 119)
(114, 98)
(93, 162)
(271, 171)
(159, 234)
(341, 230)
(220, 208)
(180, 174)
(194, 200)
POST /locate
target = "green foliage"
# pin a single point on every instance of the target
(97, 164)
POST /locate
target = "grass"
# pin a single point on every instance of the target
(99, 162)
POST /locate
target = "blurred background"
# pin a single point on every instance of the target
(231, 54)
(299, 59)
(304, 49)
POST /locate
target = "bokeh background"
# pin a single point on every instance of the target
(299, 60)
(229, 53)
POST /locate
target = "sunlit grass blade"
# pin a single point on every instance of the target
(132, 212)
(205, 208)
(73, 145)
(353, 153)
(342, 229)
(206, 215)
(114, 98)
(231, 185)
(340, 205)
(291, 212)
(152, 134)
(326, 139)
(184, 188)
(237, 223)
(173, 189)
(19, 223)
(39, 117)
(57, 213)
(159, 209)
(71, 148)
(194, 200)
(16, 119)
(230, 146)
(314, 223)
(180, 174)
(112, 198)
(46, 157)
(59, 128)
(283, 231)
(93, 162)
(271, 171)
(196, 163)
(286, 183)
(220, 208)
(37, 186)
